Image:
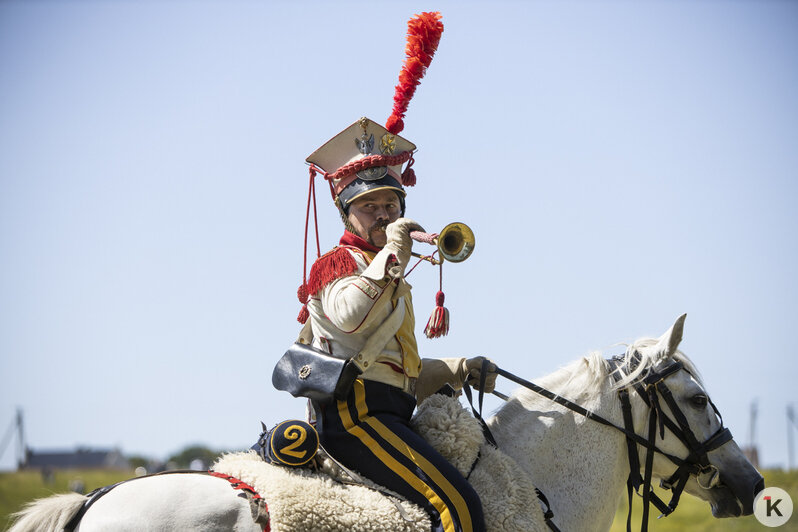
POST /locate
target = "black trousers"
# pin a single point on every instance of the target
(370, 433)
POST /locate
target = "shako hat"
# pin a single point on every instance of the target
(363, 158)
(367, 156)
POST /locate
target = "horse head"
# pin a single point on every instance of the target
(719, 472)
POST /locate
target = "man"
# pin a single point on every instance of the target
(360, 309)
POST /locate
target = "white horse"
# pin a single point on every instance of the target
(580, 465)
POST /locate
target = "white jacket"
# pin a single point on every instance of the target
(347, 311)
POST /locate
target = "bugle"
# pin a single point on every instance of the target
(455, 242)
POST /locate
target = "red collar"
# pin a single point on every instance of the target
(351, 239)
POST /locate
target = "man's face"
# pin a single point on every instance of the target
(370, 213)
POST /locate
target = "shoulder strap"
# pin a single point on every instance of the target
(376, 342)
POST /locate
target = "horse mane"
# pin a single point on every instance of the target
(587, 376)
(580, 380)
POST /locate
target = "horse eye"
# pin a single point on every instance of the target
(699, 400)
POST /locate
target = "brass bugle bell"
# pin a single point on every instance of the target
(455, 242)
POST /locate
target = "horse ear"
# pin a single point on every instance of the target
(669, 342)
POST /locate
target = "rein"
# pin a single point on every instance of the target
(651, 388)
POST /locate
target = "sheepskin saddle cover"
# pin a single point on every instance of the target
(301, 499)
(327, 500)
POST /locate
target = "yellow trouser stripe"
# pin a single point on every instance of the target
(415, 482)
(418, 459)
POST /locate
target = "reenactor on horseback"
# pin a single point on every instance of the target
(357, 306)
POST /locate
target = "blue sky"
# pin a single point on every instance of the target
(621, 163)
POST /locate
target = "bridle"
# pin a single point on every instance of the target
(652, 390)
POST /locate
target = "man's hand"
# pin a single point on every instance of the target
(472, 369)
(437, 372)
(398, 239)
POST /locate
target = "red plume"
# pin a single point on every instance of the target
(423, 35)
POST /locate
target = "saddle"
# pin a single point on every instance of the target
(320, 495)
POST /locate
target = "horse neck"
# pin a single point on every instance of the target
(580, 465)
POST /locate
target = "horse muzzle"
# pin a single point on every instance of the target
(733, 498)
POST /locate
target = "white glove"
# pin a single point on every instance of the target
(437, 372)
(399, 245)
(398, 239)
(472, 369)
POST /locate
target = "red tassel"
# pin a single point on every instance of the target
(409, 178)
(304, 314)
(423, 35)
(302, 295)
(438, 324)
(409, 175)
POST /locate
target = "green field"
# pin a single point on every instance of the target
(694, 515)
(18, 488)
(691, 515)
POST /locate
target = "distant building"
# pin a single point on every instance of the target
(81, 458)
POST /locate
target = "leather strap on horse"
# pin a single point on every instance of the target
(90, 500)
(260, 510)
(634, 481)
(548, 514)
(483, 374)
(570, 405)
